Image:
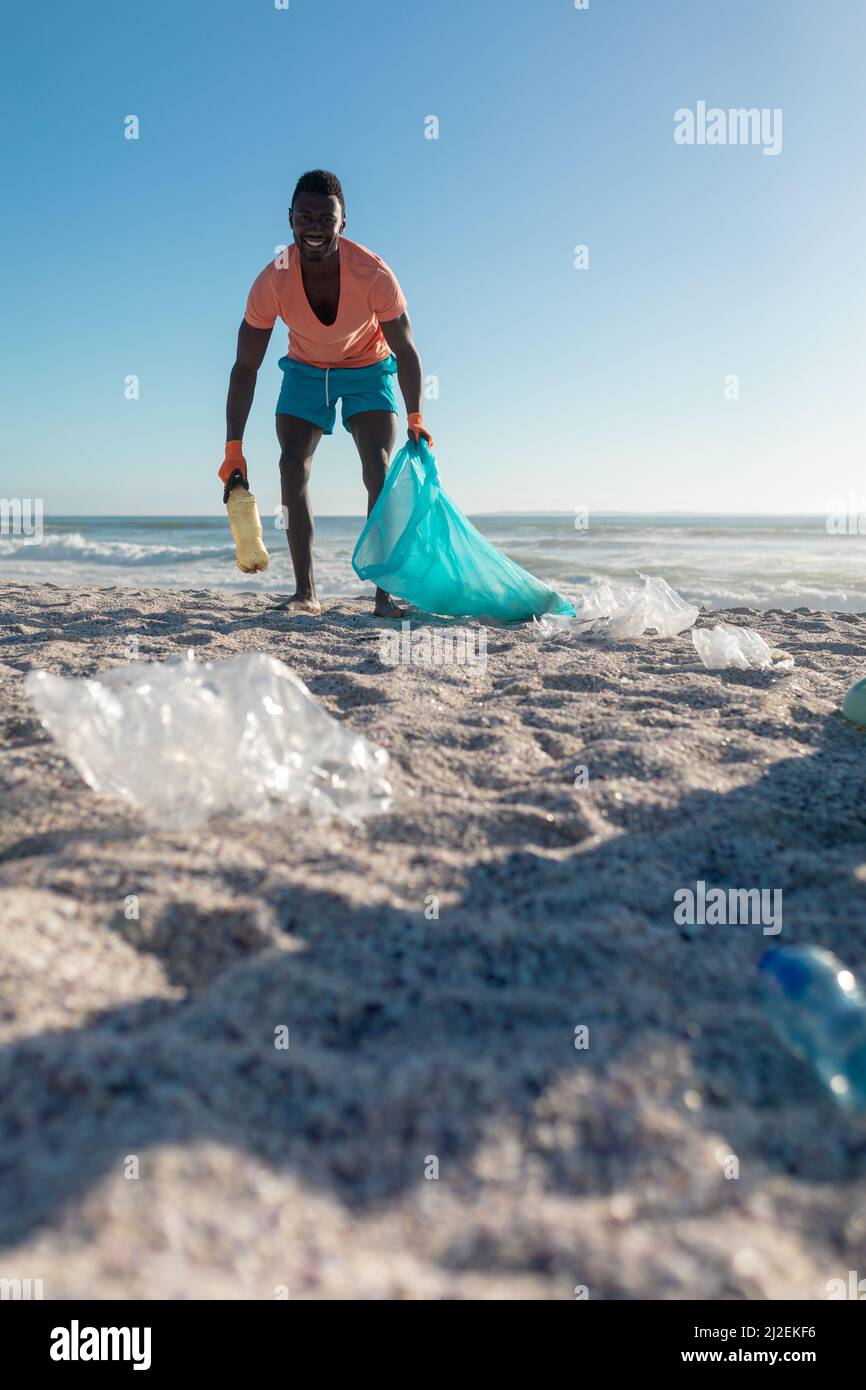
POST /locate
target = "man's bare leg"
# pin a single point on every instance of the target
(374, 433)
(298, 439)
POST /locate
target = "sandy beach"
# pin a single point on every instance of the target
(154, 1144)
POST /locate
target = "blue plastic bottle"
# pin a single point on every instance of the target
(818, 1010)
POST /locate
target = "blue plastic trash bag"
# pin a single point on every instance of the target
(418, 546)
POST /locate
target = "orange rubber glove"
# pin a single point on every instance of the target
(233, 463)
(416, 428)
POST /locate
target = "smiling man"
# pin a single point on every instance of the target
(349, 336)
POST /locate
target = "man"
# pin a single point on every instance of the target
(349, 335)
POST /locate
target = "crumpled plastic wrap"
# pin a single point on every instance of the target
(184, 740)
(725, 647)
(655, 608)
(617, 613)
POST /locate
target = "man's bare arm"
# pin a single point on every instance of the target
(398, 336)
(252, 346)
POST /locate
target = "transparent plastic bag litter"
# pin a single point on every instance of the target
(629, 611)
(655, 608)
(184, 740)
(725, 647)
(600, 600)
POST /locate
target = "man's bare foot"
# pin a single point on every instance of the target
(303, 603)
(387, 607)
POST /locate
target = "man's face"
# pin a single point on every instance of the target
(316, 220)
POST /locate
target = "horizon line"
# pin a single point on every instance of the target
(358, 516)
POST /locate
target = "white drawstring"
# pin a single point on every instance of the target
(327, 401)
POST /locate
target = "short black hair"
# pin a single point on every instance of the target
(320, 181)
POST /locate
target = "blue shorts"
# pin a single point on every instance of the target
(312, 392)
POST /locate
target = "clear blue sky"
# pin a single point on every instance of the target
(558, 387)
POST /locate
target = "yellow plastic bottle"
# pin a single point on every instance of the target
(246, 527)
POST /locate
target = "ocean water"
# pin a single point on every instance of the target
(715, 561)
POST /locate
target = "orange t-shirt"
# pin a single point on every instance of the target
(369, 295)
